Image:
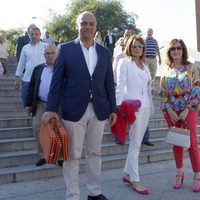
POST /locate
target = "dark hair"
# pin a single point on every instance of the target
(129, 44)
(169, 59)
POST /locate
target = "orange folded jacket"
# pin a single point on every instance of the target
(54, 143)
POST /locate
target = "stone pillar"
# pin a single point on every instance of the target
(197, 5)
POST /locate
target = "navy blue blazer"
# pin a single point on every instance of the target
(21, 42)
(72, 82)
(33, 90)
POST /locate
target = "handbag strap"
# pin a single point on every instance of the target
(181, 124)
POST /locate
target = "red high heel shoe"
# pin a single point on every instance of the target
(196, 188)
(126, 180)
(179, 185)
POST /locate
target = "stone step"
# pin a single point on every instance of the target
(10, 99)
(23, 148)
(10, 106)
(18, 158)
(153, 123)
(31, 172)
(18, 132)
(13, 151)
(15, 122)
(17, 144)
(7, 87)
(8, 77)
(13, 113)
(9, 81)
(23, 132)
(10, 92)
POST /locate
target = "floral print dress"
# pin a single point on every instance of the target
(180, 89)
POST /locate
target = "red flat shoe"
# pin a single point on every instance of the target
(126, 180)
(179, 185)
(145, 192)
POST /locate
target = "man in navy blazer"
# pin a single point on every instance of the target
(83, 78)
(109, 42)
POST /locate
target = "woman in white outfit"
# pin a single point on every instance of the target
(134, 82)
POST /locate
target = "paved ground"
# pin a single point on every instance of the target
(158, 178)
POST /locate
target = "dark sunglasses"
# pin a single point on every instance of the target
(176, 48)
(140, 46)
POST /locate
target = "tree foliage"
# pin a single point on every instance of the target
(110, 14)
(11, 37)
(60, 27)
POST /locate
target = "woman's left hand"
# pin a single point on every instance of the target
(184, 114)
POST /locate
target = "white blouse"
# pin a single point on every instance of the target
(133, 83)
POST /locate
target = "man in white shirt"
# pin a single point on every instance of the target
(32, 55)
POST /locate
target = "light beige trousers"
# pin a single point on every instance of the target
(87, 133)
(41, 106)
(152, 65)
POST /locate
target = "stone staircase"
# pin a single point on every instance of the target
(18, 153)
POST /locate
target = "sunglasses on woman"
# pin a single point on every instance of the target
(176, 48)
(140, 46)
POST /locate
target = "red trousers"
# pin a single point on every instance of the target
(191, 121)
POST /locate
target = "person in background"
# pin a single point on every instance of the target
(4, 53)
(98, 38)
(120, 54)
(180, 101)
(151, 53)
(32, 55)
(61, 41)
(38, 93)
(23, 40)
(146, 138)
(122, 40)
(109, 42)
(48, 39)
(134, 83)
(86, 88)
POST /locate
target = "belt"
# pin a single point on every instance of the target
(151, 57)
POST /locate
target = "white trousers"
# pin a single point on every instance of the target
(87, 132)
(136, 134)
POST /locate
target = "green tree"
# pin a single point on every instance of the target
(11, 37)
(109, 13)
(60, 27)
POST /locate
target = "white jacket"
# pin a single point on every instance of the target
(133, 83)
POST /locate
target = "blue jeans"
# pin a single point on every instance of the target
(24, 92)
(146, 136)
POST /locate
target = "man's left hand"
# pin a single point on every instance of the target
(112, 119)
